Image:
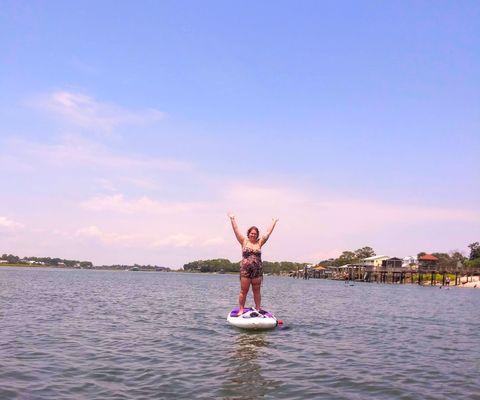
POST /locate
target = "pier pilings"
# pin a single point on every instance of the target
(432, 277)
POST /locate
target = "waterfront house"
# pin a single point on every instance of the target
(374, 262)
(427, 262)
(409, 261)
(342, 270)
(392, 263)
(319, 271)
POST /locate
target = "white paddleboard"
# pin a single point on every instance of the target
(252, 319)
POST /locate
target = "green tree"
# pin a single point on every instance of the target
(326, 263)
(457, 257)
(474, 250)
(475, 263)
(86, 264)
(216, 265)
(347, 257)
(364, 252)
(12, 259)
(444, 260)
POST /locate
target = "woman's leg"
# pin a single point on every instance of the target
(244, 286)
(257, 297)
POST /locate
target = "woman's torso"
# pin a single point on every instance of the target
(251, 264)
(251, 254)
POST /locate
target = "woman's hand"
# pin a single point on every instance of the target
(231, 216)
(274, 220)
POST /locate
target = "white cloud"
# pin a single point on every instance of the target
(308, 205)
(139, 240)
(118, 203)
(325, 254)
(176, 240)
(214, 241)
(143, 183)
(10, 224)
(105, 237)
(73, 151)
(85, 111)
(260, 195)
(313, 225)
(106, 184)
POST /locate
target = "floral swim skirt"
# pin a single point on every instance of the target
(251, 269)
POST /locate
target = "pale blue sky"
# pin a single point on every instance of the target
(366, 104)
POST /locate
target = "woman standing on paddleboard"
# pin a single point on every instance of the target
(251, 271)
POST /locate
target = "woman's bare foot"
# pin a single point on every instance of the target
(240, 312)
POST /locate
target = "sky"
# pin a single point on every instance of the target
(130, 129)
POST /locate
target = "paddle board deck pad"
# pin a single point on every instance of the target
(252, 319)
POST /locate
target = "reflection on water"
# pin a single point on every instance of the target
(245, 375)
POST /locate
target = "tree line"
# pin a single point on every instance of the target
(349, 257)
(453, 258)
(474, 258)
(224, 265)
(55, 261)
(457, 258)
(65, 263)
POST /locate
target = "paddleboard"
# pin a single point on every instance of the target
(253, 319)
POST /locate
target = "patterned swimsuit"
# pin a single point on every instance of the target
(251, 264)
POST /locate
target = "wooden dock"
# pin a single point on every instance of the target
(440, 276)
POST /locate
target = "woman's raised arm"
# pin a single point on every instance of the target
(240, 237)
(264, 238)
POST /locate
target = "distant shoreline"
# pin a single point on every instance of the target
(473, 284)
(98, 268)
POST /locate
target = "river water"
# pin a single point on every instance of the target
(79, 334)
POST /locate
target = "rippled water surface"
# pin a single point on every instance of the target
(78, 334)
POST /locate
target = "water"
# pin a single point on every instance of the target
(78, 334)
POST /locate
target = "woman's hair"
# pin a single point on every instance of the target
(253, 228)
